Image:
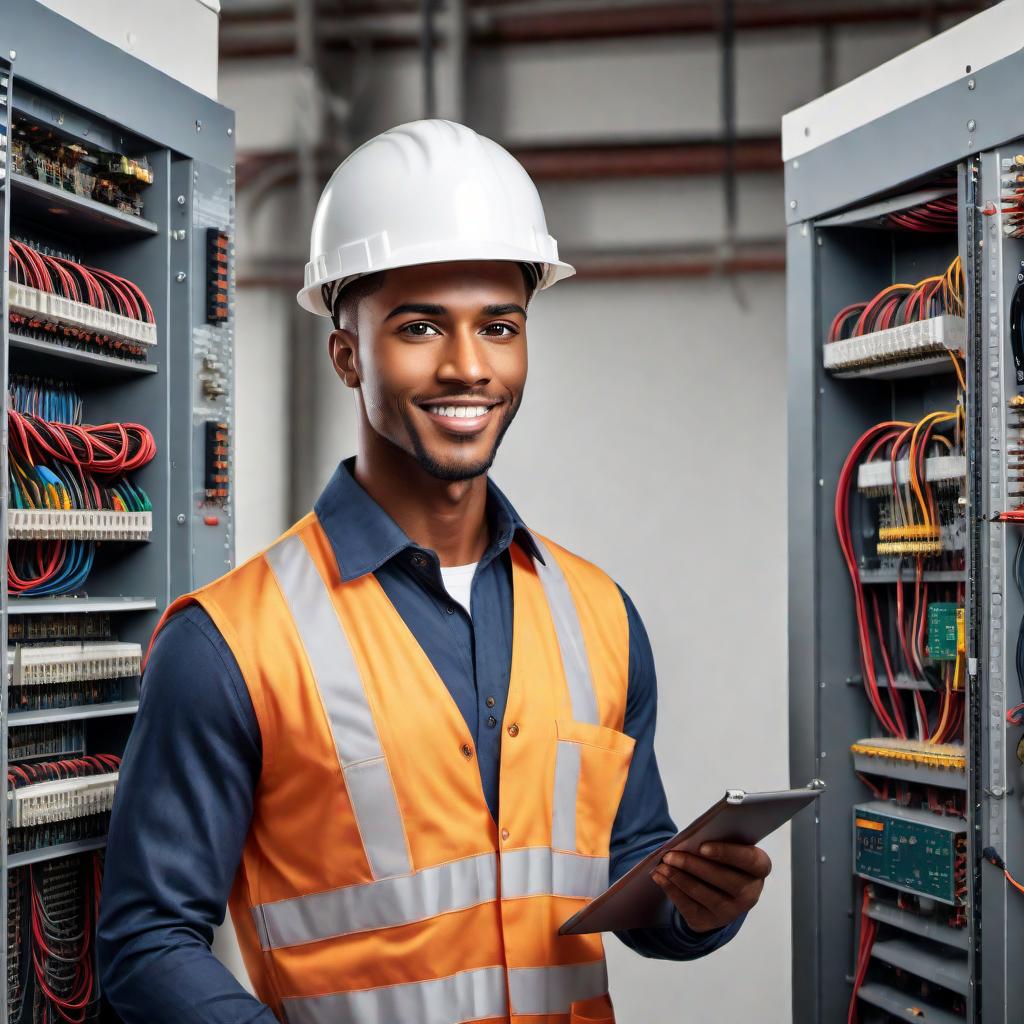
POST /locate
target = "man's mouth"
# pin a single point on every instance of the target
(461, 417)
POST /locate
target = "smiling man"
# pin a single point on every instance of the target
(412, 737)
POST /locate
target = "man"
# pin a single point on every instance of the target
(412, 737)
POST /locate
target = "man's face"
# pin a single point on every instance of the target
(438, 353)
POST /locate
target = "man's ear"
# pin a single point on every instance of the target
(342, 346)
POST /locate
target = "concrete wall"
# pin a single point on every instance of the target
(652, 438)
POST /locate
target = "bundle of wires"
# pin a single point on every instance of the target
(29, 773)
(64, 906)
(901, 304)
(68, 279)
(868, 930)
(934, 217)
(892, 440)
(64, 464)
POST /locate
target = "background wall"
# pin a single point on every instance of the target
(652, 437)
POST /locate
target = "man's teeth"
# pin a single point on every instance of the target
(460, 411)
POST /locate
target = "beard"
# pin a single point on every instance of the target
(452, 470)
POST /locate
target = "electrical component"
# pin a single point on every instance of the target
(1012, 195)
(62, 162)
(216, 276)
(910, 849)
(217, 452)
(50, 740)
(939, 335)
(64, 899)
(942, 630)
(68, 485)
(903, 321)
(72, 663)
(15, 940)
(884, 755)
(55, 297)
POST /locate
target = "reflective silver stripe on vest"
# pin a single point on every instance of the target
(384, 904)
(555, 989)
(542, 872)
(570, 637)
(467, 996)
(356, 742)
(563, 809)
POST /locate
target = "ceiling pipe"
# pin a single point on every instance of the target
(269, 35)
(696, 261)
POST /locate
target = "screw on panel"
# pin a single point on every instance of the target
(231, 131)
(180, 518)
(14, 54)
(199, 126)
(181, 200)
(970, 83)
(796, 165)
(792, 204)
(971, 125)
(179, 276)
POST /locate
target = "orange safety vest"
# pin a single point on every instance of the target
(374, 886)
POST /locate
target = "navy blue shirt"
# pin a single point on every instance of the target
(185, 796)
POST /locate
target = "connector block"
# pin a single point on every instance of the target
(875, 478)
(217, 255)
(46, 307)
(78, 524)
(72, 663)
(44, 803)
(915, 340)
(217, 475)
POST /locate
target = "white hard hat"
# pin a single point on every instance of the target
(426, 192)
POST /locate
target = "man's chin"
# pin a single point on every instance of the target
(453, 469)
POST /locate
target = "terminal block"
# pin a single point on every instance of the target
(909, 849)
(935, 336)
(45, 803)
(78, 524)
(216, 276)
(71, 663)
(217, 452)
(47, 308)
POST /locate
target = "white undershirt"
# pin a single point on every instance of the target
(458, 579)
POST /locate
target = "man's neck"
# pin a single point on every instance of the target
(448, 517)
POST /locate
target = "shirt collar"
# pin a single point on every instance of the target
(364, 536)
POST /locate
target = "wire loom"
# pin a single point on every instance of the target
(61, 463)
(69, 279)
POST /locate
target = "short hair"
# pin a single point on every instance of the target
(344, 302)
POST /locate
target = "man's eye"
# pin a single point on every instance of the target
(421, 329)
(501, 330)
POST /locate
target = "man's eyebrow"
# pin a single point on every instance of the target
(422, 308)
(432, 309)
(503, 309)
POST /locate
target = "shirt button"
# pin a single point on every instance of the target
(490, 702)
(467, 750)
(513, 729)
(492, 721)
(419, 561)
(450, 609)
(504, 833)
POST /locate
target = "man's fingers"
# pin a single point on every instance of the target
(729, 880)
(750, 859)
(713, 900)
(693, 913)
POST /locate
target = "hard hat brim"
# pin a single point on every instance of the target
(310, 297)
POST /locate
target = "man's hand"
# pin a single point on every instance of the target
(713, 889)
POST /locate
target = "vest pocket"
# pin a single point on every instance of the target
(592, 1011)
(591, 765)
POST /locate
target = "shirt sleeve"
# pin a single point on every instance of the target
(643, 821)
(181, 814)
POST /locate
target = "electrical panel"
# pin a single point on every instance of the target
(116, 313)
(906, 356)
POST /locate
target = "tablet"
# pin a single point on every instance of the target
(637, 901)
